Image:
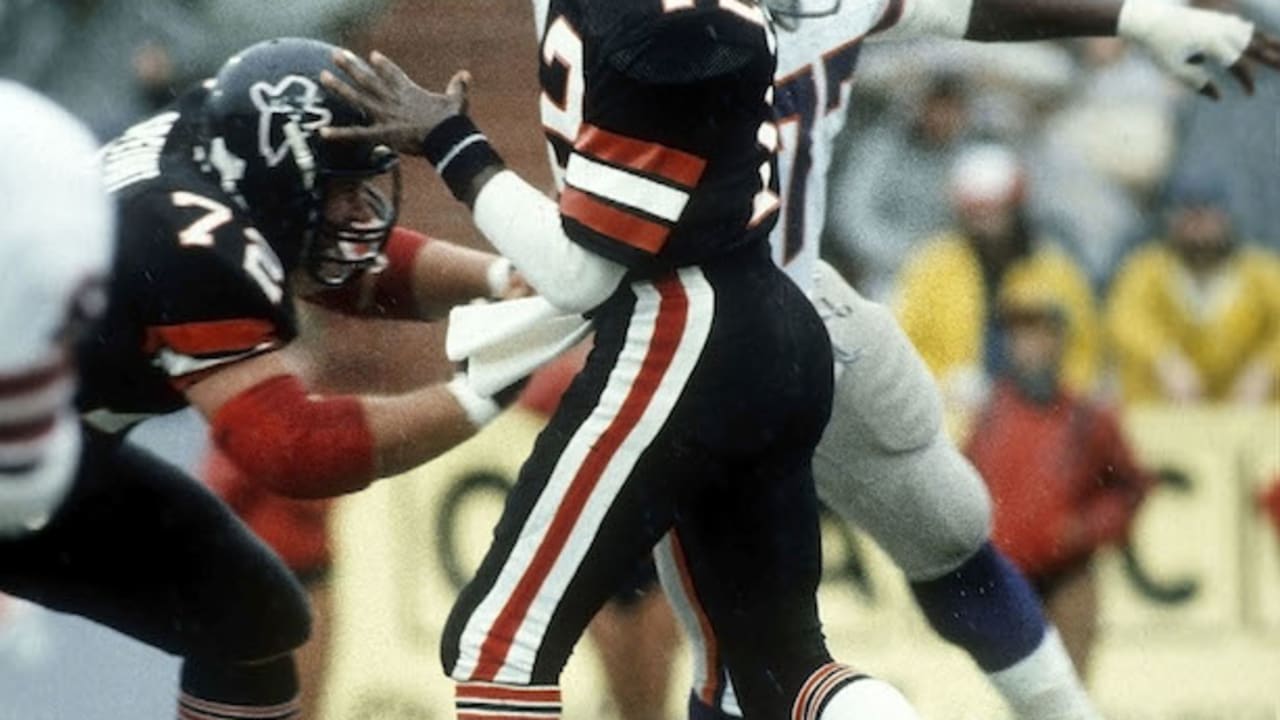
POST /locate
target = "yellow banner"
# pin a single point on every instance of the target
(1190, 624)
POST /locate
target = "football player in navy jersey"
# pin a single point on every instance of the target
(90, 526)
(692, 425)
(228, 206)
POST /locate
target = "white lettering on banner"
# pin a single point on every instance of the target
(1152, 662)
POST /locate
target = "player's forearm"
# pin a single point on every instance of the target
(521, 222)
(994, 20)
(413, 428)
(447, 275)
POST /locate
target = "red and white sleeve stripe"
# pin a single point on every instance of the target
(632, 191)
(39, 443)
(188, 350)
(30, 402)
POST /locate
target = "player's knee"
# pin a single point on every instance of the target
(270, 617)
(965, 526)
(942, 510)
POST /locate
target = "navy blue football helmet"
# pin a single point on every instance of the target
(263, 114)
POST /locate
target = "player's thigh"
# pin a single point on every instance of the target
(742, 569)
(885, 462)
(142, 548)
(588, 505)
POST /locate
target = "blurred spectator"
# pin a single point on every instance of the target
(887, 191)
(1196, 316)
(112, 63)
(1063, 480)
(1102, 152)
(1269, 503)
(946, 295)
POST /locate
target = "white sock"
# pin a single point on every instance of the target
(868, 697)
(1044, 684)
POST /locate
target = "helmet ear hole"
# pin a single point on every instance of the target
(262, 115)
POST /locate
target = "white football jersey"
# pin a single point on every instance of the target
(56, 229)
(56, 243)
(816, 60)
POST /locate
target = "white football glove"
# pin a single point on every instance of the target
(1186, 40)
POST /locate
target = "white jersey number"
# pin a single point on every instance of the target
(260, 261)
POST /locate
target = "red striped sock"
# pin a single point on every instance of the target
(492, 701)
(819, 688)
(191, 707)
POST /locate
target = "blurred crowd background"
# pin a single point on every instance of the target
(1065, 234)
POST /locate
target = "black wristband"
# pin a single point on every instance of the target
(460, 153)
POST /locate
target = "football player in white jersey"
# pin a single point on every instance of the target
(885, 463)
(52, 263)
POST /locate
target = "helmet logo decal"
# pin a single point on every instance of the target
(295, 100)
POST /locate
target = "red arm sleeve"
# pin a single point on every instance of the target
(298, 445)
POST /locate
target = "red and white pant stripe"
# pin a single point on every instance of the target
(667, 331)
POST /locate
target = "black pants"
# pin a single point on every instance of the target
(143, 549)
(695, 418)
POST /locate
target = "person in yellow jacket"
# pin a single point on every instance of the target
(947, 289)
(1195, 316)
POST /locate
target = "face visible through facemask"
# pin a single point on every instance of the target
(358, 214)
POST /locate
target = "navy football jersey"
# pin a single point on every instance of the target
(659, 119)
(194, 285)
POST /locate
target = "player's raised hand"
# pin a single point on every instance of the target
(402, 112)
(1187, 41)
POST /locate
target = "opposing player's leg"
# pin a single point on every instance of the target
(149, 552)
(635, 636)
(886, 465)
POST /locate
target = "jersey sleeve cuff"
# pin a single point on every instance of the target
(459, 151)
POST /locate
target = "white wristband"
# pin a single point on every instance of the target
(498, 276)
(478, 408)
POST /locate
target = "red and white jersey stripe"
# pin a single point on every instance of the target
(30, 403)
(668, 330)
(186, 351)
(626, 189)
